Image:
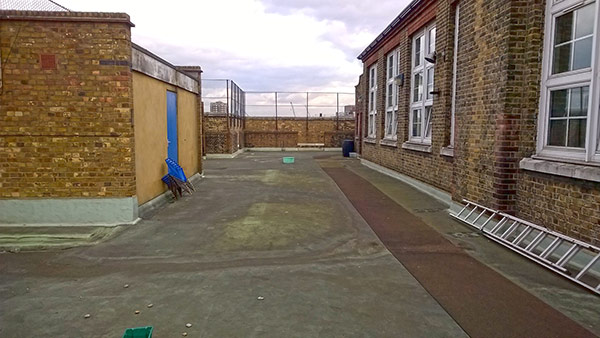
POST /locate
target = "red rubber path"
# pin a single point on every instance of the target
(481, 301)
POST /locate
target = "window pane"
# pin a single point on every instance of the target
(558, 103)
(390, 94)
(394, 122)
(582, 57)
(390, 70)
(562, 59)
(564, 28)
(418, 88)
(388, 120)
(558, 133)
(431, 40)
(579, 101)
(429, 83)
(428, 122)
(577, 133)
(585, 21)
(418, 47)
(416, 124)
(372, 101)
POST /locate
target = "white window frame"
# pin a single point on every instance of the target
(571, 79)
(372, 103)
(391, 97)
(421, 66)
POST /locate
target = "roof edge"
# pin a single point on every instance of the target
(16, 15)
(399, 19)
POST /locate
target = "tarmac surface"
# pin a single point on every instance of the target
(265, 249)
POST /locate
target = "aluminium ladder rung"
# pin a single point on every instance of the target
(501, 231)
(550, 249)
(587, 267)
(510, 230)
(522, 235)
(568, 255)
(463, 209)
(536, 241)
(498, 225)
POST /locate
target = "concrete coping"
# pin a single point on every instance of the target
(98, 17)
(148, 63)
(572, 170)
(424, 148)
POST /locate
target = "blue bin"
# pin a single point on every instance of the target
(347, 147)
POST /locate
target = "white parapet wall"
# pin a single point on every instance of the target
(69, 211)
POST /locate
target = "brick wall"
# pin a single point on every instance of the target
(498, 85)
(221, 138)
(66, 131)
(563, 204)
(271, 139)
(429, 167)
(480, 102)
(328, 131)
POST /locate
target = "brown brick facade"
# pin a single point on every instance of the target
(263, 132)
(66, 130)
(221, 138)
(77, 146)
(497, 106)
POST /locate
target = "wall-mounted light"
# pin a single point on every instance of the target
(431, 57)
(399, 80)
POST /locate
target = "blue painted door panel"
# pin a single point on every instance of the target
(172, 125)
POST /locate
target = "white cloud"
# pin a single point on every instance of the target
(299, 45)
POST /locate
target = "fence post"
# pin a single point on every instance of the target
(337, 112)
(276, 111)
(227, 105)
(307, 112)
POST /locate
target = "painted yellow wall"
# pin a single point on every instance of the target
(150, 124)
(187, 132)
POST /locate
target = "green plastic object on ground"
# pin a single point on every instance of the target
(138, 332)
(288, 160)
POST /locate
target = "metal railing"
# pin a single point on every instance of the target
(222, 96)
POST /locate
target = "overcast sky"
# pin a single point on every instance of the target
(284, 45)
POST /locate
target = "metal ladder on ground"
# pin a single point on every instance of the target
(573, 259)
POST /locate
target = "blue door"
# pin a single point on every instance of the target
(172, 125)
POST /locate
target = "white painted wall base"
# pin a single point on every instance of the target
(69, 211)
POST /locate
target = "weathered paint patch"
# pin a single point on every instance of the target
(276, 225)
